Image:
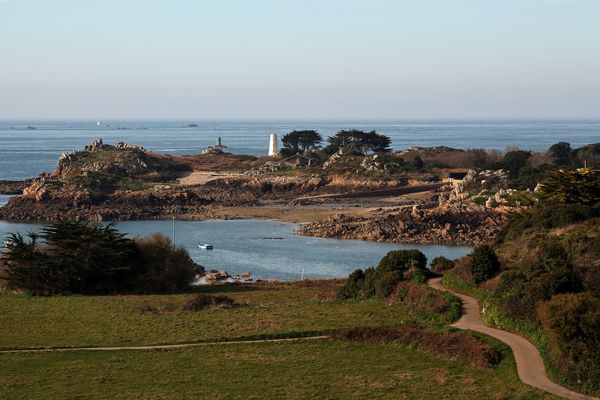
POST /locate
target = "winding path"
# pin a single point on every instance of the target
(158, 346)
(529, 362)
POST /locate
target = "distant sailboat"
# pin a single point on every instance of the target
(98, 123)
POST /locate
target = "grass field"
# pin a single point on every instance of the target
(321, 369)
(315, 369)
(27, 321)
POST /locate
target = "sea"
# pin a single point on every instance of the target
(266, 249)
(30, 147)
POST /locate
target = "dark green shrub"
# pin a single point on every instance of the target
(441, 264)
(418, 275)
(386, 282)
(162, 267)
(354, 285)
(402, 260)
(559, 280)
(382, 281)
(483, 263)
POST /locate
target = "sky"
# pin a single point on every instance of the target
(282, 59)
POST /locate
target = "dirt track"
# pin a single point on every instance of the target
(529, 362)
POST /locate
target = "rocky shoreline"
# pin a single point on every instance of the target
(14, 187)
(124, 182)
(450, 226)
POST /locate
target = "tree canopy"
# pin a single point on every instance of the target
(561, 153)
(301, 141)
(88, 258)
(580, 186)
(360, 142)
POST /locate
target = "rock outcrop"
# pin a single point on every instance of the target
(452, 225)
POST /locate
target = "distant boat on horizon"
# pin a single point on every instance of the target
(193, 125)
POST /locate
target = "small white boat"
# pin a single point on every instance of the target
(205, 246)
(8, 242)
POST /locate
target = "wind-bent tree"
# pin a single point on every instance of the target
(301, 141)
(359, 142)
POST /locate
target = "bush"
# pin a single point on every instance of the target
(420, 298)
(441, 264)
(460, 346)
(162, 267)
(354, 286)
(382, 281)
(573, 324)
(402, 260)
(202, 301)
(519, 292)
(545, 216)
(483, 263)
(386, 282)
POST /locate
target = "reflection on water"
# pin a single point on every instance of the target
(267, 249)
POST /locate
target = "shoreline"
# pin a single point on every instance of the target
(291, 216)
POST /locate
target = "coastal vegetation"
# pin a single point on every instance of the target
(548, 279)
(380, 282)
(300, 142)
(358, 142)
(90, 258)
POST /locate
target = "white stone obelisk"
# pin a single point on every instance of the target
(273, 148)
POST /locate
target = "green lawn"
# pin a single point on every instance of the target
(27, 321)
(322, 369)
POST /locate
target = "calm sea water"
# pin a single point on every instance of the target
(25, 153)
(244, 246)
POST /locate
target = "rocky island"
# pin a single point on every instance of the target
(420, 195)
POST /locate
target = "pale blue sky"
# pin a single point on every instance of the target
(299, 59)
